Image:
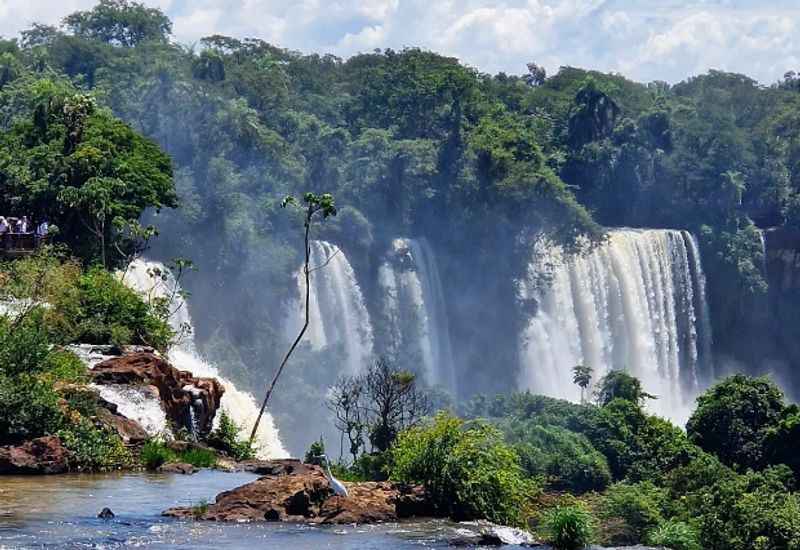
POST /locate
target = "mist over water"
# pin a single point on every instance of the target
(636, 303)
(240, 406)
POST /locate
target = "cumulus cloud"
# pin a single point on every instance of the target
(643, 39)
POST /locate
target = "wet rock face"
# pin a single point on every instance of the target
(189, 402)
(297, 492)
(44, 455)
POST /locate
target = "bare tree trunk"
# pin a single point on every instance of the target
(307, 275)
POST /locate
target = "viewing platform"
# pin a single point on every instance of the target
(18, 245)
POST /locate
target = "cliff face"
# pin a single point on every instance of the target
(783, 259)
(779, 314)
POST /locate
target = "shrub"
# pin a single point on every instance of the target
(93, 448)
(225, 437)
(639, 505)
(102, 310)
(566, 459)
(29, 408)
(468, 471)
(674, 535)
(568, 527)
(200, 458)
(154, 453)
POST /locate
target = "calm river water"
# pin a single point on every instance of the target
(60, 512)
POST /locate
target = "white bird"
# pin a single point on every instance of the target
(337, 486)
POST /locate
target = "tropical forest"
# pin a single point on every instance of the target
(257, 296)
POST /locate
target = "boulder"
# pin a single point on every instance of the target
(44, 455)
(486, 533)
(189, 402)
(297, 492)
(177, 468)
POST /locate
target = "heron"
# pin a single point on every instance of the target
(338, 487)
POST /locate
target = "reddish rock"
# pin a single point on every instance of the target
(130, 431)
(179, 391)
(44, 455)
(298, 492)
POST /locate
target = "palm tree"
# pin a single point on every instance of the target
(582, 376)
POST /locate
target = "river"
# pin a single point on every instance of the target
(61, 512)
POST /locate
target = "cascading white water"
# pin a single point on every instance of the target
(145, 277)
(635, 303)
(137, 404)
(415, 311)
(337, 312)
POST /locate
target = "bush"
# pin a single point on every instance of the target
(468, 471)
(200, 458)
(102, 310)
(640, 506)
(566, 459)
(225, 437)
(154, 453)
(740, 511)
(733, 419)
(674, 535)
(568, 527)
(93, 448)
(29, 408)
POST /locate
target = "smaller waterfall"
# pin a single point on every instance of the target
(337, 312)
(153, 279)
(137, 404)
(415, 309)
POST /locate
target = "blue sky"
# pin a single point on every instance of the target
(643, 39)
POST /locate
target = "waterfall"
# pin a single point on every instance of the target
(635, 303)
(415, 312)
(137, 404)
(155, 280)
(337, 312)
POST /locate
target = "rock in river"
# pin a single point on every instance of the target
(44, 455)
(298, 492)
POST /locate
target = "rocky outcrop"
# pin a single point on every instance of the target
(188, 401)
(130, 431)
(297, 492)
(44, 455)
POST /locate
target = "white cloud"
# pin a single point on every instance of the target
(644, 39)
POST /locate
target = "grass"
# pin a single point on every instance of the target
(156, 453)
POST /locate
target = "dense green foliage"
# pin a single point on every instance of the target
(734, 418)
(65, 160)
(466, 469)
(85, 306)
(668, 490)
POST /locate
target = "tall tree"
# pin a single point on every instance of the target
(315, 206)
